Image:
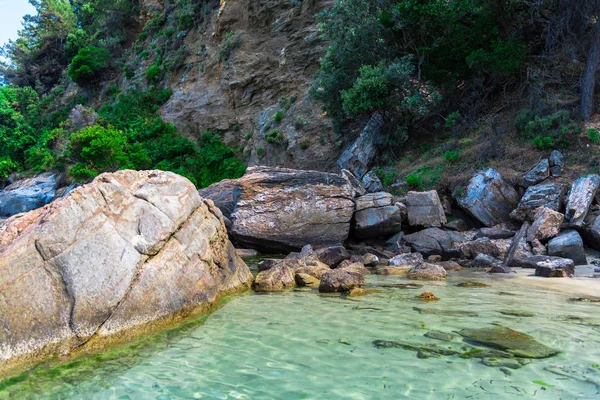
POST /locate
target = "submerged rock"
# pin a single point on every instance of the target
(514, 342)
(452, 313)
(518, 313)
(425, 351)
(109, 260)
(473, 284)
(438, 335)
(428, 296)
(279, 209)
(488, 198)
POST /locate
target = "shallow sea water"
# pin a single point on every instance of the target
(302, 345)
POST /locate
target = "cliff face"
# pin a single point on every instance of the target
(269, 72)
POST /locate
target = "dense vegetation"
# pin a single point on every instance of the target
(87, 41)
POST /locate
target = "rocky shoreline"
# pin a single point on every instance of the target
(135, 251)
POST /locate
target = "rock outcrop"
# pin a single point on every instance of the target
(129, 251)
(278, 209)
(546, 225)
(488, 198)
(376, 215)
(359, 157)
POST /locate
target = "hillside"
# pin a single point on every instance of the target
(206, 88)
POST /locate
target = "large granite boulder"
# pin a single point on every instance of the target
(432, 241)
(376, 215)
(568, 245)
(28, 194)
(550, 195)
(488, 198)
(425, 209)
(537, 174)
(278, 209)
(580, 199)
(359, 157)
(546, 225)
(112, 259)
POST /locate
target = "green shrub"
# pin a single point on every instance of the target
(274, 137)
(414, 180)
(452, 156)
(81, 172)
(7, 167)
(261, 151)
(99, 148)
(153, 73)
(557, 129)
(278, 116)
(305, 144)
(248, 135)
(88, 64)
(387, 177)
(593, 135)
(230, 42)
(543, 142)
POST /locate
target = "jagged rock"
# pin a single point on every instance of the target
(580, 199)
(278, 209)
(549, 195)
(357, 188)
(275, 279)
(306, 256)
(372, 183)
(224, 194)
(537, 174)
(109, 260)
(432, 241)
(425, 209)
(376, 215)
(546, 225)
(537, 248)
(495, 233)
(360, 156)
(316, 271)
(519, 248)
(368, 259)
(427, 272)
(484, 261)
(568, 244)
(458, 224)
(555, 268)
(268, 264)
(303, 279)
(401, 264)
(355, 267)
(28, 194)
(471, 249)
(333, 256)
(557, 162)
(488, 198)
(340, 281)
(591, 231)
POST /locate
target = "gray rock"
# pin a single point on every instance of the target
(488, 198)
(28, 194)
(427, 272)
(333, 256)
(268, 263)
(425, 209)
(555, 268)
(340, 281)
(111, 260)
(495, 233)
(359, 157)
(568, 244)
(458, 224)
(376, 216)
(484, 261)
(406, 260)
(591, 231)
(549, 195)
(432, 241)
(537, 174)
(532, 262)
(278, 209)
(519, 248)
(372, 183)
(580, 199)
(472, 248)
(557, 163)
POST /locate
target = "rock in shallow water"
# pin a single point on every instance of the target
(125, 251)
(514, 342)
(340, 281)
(427, 272)
(568, 245)
(275, 279)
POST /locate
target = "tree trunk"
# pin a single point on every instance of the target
(588, 81)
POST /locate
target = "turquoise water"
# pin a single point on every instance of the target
(302, 345)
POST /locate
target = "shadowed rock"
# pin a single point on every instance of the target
(376, 215)
(568, 245)
(580, 198)
(537, 174)
(551, 195)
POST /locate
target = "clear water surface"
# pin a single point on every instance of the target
(302, 345)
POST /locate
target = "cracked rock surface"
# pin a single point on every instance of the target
(129, 249)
